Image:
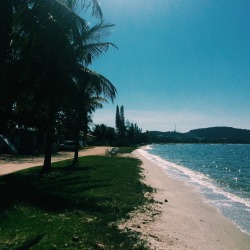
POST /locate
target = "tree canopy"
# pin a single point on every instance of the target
(125, 134)
(46, 47)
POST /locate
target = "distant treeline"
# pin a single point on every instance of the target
(125, 133)
(203, 135)
(129, 134)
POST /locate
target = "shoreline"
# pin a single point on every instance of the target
(184, 220)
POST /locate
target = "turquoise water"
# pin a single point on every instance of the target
(221, 172)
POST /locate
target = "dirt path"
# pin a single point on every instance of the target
(9, 164)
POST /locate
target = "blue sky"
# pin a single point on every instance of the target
(179, 62)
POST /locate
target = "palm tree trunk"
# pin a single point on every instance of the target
(85, 125)
(49, 136)
(77, 137)
(5, 27)
(5, 34)
(75, 160)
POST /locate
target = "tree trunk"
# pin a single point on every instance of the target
(5, 34)
(77, 137)
(85, 126)
(5, 27)
(49, 136)
(79, 124)
(75, 160)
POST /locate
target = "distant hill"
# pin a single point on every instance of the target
(222, 134)
(171, 137)
(203, 135)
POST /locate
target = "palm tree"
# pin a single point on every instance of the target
(46, 43)
(91, 86)
(89, 52)
(24, 25)
(5, 37)
(76, 42)
(32, 34)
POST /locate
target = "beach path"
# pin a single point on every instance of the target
(10, 164)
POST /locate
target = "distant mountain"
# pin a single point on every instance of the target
(203, 135)
(222, 134)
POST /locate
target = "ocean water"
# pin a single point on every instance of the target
(220, 172)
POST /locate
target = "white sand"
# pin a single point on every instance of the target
(12, 164)
(185, 221)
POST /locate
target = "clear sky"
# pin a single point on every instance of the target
(179, 62)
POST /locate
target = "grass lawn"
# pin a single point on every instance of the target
(126, 150)
(71, 208)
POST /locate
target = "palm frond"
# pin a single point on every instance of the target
(99, 84)
(94, 50)
(96, 9)
(92, 42)
(98, 32)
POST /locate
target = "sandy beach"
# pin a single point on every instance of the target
(180, 218)
(9, 164)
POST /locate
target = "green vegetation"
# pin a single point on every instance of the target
(72, 208)
(125, 134)
(203, 135)
(126, 150)
(46, 85)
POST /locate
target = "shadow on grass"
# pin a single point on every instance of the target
(62, 188)
(82, 204)
(30, 242)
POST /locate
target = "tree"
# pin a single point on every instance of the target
(120, 122)
(27, 18)
(89, 52)
(134, 133)
(5, 38)
(41, 30)
(34, 32)
(91, 86)
(117, 119)
(104, 134)
(43, 43)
